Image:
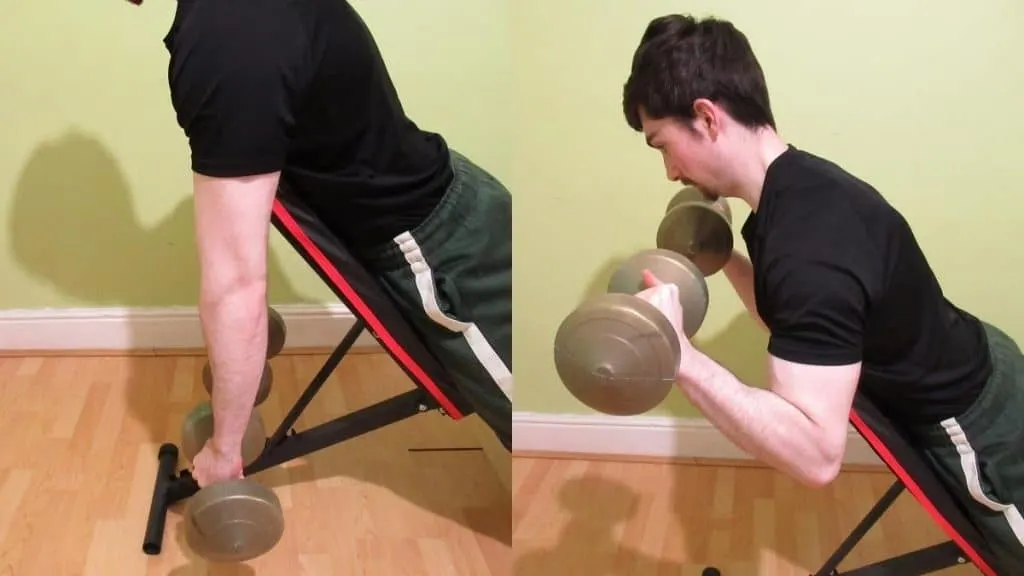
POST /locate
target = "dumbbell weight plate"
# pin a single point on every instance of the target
(617, 354)
(693, 194)
(668, 267)
(233, 521)
(277, 333)
(698, 231)
(266, 382)
(197, 428)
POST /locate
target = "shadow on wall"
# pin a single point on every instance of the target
(739, 347)
(73, 224)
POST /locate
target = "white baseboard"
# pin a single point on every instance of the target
(119, 329)
(644, 437)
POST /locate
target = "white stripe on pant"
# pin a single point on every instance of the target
(481, 348)
(972, 474)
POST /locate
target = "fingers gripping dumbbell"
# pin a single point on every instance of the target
(231, 521)
(197, 428)
(617, 353)
(276, 333)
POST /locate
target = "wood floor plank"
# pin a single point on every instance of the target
(77, 473)
(601, 518)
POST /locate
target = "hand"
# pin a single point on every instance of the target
(665, 297)
(212, 465)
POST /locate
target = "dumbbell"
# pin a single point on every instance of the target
(266, 382)
(617, 353)
(277, 332)
(197, 428)
(699, 227)
(236, 520)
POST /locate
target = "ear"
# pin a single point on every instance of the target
(707, 119)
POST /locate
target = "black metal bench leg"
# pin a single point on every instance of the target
(924, 561)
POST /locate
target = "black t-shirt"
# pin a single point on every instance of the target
(839, 278)
(300, 87)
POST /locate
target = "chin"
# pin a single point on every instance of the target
(707, 190)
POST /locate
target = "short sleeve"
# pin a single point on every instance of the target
(234, 89)
(817, 311)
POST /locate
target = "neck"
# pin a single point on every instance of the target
(757, 151)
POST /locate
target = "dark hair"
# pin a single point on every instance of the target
(681, 59)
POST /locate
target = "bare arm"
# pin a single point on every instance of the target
(740, 273)
(798, 426)
(232, 220)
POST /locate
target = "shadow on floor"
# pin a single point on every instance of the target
(589, 540)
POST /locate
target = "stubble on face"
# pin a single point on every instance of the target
(682, 149)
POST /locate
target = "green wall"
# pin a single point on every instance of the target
(95, 186)
(918, 98)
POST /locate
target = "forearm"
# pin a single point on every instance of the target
(234, 318)
(760, 422)
(740, 274)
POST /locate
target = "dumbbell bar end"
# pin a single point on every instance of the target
(168, 489)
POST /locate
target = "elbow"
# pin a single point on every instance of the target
(231, 286)
(822, 475)
(242, 298)
(826, 468)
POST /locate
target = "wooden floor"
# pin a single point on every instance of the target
(78, 463)
(638, 519)
(79, 459)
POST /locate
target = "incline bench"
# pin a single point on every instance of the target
(891, 444)
(374, 311)
(965, 545)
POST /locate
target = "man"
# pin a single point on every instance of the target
(276, 93)
(849, 309)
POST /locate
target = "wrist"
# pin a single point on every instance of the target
(226, 445)
(736, 258)
(692, 365)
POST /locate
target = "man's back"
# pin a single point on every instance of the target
(300, 87)
(923, 358)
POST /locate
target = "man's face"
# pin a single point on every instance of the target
(689, 151)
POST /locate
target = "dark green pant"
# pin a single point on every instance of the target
(979, 455)
(452, 278)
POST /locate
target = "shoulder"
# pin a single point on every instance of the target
(818, 255)
(217, 44)
(816, 305)
(820, 264)
(235, 81)
(817, 212)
